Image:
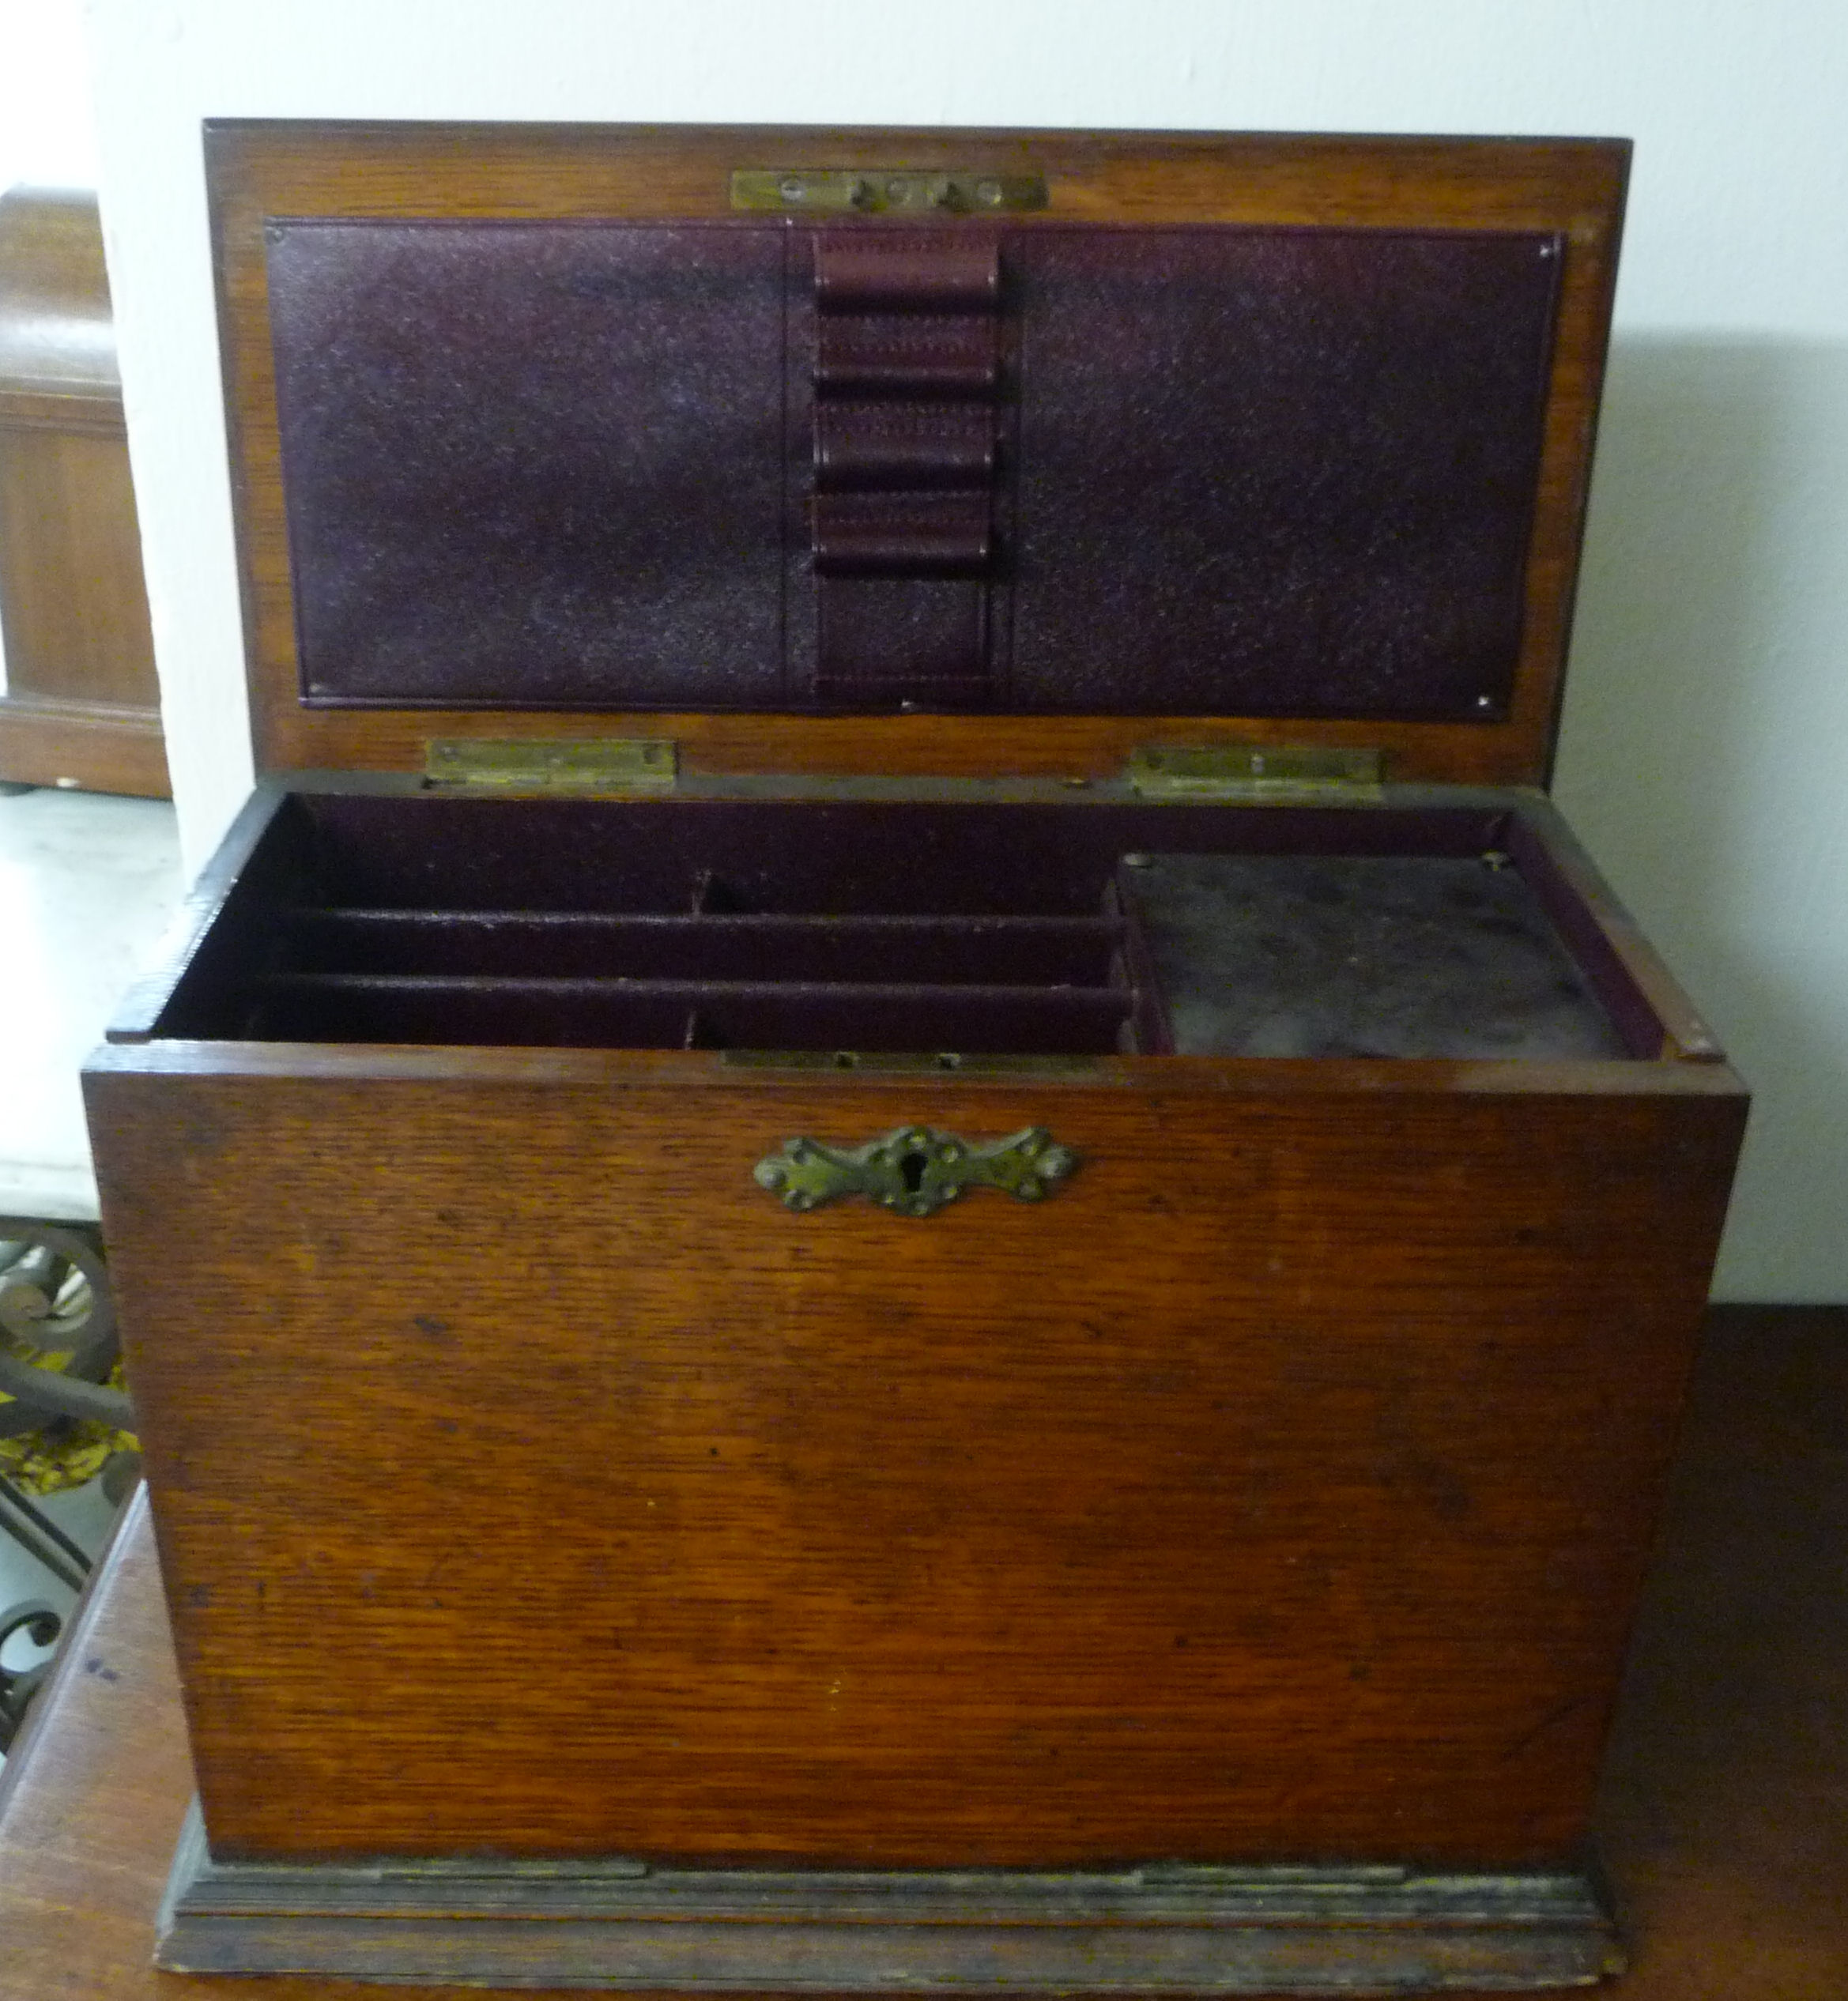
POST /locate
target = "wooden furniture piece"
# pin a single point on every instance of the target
(1108, 1218)
(1722, 1815)
(81, 705)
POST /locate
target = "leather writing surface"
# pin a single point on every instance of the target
(533, 465)
(1276, 471)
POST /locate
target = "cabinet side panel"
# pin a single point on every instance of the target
(529, 1480)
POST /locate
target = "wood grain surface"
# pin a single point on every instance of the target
(258, 170)
(1279, 1489)
(81, 700)
(1722, 1816)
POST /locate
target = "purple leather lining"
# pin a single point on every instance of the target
(436, 851)
(910, 638)
(1277, 472)
(773, 1015)
(534, 466)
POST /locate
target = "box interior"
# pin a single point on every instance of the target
(1024, 928)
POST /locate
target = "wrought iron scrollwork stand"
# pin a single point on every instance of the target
(55, 1300)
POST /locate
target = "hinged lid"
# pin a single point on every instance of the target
(914, 452)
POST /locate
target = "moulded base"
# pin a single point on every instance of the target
(1159, 1929)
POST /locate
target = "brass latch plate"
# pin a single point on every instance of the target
(880, 190)
(1270, 773)
(561, 764)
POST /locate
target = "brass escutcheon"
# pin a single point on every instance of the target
(914, 1171)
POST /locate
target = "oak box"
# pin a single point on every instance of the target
(900, 1217)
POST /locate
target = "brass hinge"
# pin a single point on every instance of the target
(561, 764)
(877, 190)
(1269, 774)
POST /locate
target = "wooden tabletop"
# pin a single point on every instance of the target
(1724, 1813)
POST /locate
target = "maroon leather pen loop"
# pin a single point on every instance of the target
(902, 534)
(907, 356)
(897, 446)
(907, 273)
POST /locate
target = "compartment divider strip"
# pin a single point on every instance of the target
(1103, 929)
(1097, 1000)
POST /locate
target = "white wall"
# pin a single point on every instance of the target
(47, 137)
(1705, 755)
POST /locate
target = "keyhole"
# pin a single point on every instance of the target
(912, 1171)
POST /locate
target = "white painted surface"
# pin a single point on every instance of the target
(1705, 744)
(87, 886)
(47, 134)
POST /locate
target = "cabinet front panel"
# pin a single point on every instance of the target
(529, 1480)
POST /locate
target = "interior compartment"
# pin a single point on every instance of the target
(970, 929)
(1330, 955)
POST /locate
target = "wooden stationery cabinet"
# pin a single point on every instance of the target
(900, 1217)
